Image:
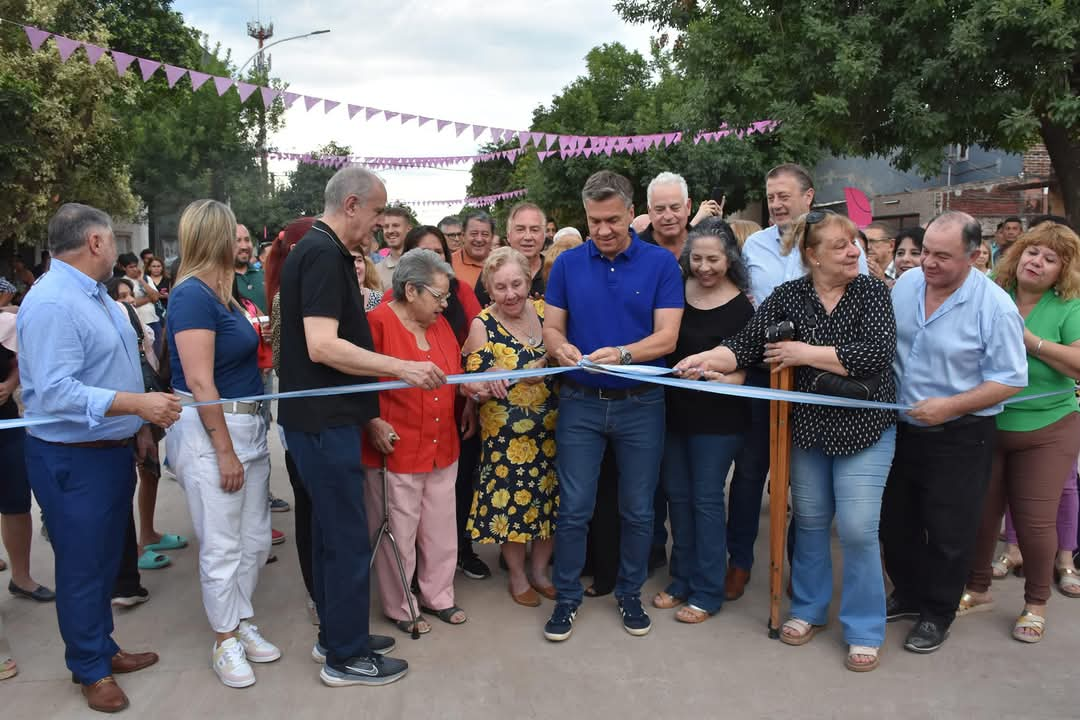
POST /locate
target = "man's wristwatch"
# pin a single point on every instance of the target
(625, 358)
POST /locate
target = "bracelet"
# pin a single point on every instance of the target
(1038, 348)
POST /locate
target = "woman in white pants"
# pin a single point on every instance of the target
(219, 452)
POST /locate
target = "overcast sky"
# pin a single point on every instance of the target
(489, 63)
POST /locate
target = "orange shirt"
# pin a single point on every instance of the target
(466, 270)
(424, 419)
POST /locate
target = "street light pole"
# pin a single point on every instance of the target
(261, 50)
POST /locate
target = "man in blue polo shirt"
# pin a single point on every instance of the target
(614, 300)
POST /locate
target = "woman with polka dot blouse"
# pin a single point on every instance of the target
(844, 324)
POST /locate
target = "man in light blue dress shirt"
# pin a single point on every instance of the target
(79, 365)
(960, 354)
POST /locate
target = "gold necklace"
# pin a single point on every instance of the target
(531, 340)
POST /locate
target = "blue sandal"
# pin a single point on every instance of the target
(151, 560)
(168, 542)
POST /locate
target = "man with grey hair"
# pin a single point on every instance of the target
(614, 300)
(79, 365)
(669, 204)
(959, 355)
(326, 342)
(525, 233)
(451, 228)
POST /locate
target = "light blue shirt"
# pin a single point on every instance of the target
(77, 349)
(768, 268)
(976, 336)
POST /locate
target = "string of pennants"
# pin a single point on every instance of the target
(546, 144)
(481, 201)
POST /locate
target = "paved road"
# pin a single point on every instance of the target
(499, 665)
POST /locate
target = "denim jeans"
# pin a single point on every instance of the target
(748, 481)
(635, 428)
(848, 487)
(695, 469)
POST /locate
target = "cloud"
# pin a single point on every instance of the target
(486, 63)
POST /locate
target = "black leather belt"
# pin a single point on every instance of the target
(599, 393)
(962, 421)
(95, 443)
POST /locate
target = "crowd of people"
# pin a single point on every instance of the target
(579, 474)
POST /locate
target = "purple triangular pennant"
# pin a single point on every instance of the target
(543, 155)
(173, 74)
(329, 105)
(670, 138)
(93, 52)
(290, 98)
(405, 117)
(122, 60)
(422, 121)
(372, 112)
(311, 102)
(511, 155)
(66, 46)
(390, 115)
(441, 124)
(198, 79)
(460, 127)
(148, 68)
(477, 131)
(353, 109)
(35, 36)
(245, 90)
(268, 95)
(222, 84)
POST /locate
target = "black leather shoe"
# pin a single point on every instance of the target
(895, 610)
(40, 593)
(926, 637)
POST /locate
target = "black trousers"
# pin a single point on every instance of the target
(931, 511)
(468, 468)
(302, 520)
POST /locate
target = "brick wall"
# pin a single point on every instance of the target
(1037, 162)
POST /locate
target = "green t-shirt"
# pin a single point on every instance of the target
(1054, 320)
(252, 285)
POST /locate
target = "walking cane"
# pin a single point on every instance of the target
(384, 531)
(779, 478)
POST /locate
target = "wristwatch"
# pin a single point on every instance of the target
(625, 358)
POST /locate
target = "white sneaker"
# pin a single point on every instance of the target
(230, 664)
(257, 648)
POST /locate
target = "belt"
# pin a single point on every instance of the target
(234, 407)
(599, 393)
(94, 443)
(962, 421)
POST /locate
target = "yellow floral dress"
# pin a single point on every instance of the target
(516, 499)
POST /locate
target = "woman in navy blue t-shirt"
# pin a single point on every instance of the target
(220, 451)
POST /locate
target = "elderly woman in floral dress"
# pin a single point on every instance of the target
(515, 500)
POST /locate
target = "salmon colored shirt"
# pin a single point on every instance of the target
(423, 419)
(466, 270)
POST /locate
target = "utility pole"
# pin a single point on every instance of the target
(262, 33)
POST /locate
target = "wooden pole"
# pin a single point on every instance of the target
(779, 479)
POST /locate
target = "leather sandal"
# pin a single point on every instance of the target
(423, 627)
(1004, 565)
(692, 615)
(8, 668)
(801, 633)
(665, 601)
(855, 651)
(969, 605)
(1068, 581)
(1029, 621)
(447, 614)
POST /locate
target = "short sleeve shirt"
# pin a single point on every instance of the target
(251, 284)
(611, 302)
(318, 279)
(194, 306)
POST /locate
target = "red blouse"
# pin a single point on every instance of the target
(424, 419)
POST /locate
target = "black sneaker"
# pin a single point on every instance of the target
(926, 637)
(379, 644)
(634, 618)
(374, 670)
(896, 610)
(130, 600)
(561, 623)
(473, 567)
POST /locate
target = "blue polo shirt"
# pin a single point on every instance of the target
(611, 302)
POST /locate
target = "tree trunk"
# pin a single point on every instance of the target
(1064, 153)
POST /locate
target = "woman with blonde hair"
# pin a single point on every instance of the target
(743, 229)
(220, 451)
(564, 239)
(1037, 440)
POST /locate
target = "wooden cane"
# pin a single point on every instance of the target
(779, 478)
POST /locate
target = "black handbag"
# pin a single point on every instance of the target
(823, 382)
(152, 382)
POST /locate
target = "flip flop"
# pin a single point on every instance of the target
(168, 542)
(151, 560)
(446, 614)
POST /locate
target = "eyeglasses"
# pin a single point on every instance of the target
(441, 297)
(454, 235)
(815, 216)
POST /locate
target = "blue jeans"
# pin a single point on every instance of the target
(695, 469)
(849, 488)
(748, 481)
(329, 466)
(635, 428)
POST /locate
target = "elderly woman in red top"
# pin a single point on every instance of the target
(417, 435)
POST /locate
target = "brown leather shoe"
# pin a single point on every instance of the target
(105, 695)
(735, 582)
(123, 662)
(547, 591)
(529, 598)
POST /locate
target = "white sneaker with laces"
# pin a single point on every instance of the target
(230, 664)
(257, 648)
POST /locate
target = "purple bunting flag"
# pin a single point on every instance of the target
(66, 46)
(311, 102)
(543, 155)
(122, 60)
(245, 90)
(390, 115)
(353, 109)
(372, 112)
(460, 127)
(93, 52)
(36, 37)
(441, 124)
(423, 121)
(329, 105)
(222, 84)
(406, 117)
(173, 74)
(148, 68)
(198, 79)
(477, 131)
(268, 96)
(290, 98)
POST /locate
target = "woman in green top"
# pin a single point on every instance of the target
(1037, 440)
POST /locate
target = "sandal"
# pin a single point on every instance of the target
(665, 600)
(1029, 621)
(969, 605)
(1004, 565)
(1068, 581)
(151, 560)
(168, 542)
(420, 624)
(447, 614)
(801, 632)
(855, 651)
(692, 615)
(8, 668)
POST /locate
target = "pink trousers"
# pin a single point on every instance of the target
(423, 519)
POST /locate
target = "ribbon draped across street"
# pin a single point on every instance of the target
(641, 373)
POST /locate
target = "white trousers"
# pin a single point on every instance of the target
(233, 528)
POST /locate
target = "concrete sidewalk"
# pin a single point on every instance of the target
(499, 665)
